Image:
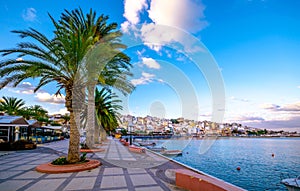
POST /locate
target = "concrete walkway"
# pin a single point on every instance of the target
(120, 170)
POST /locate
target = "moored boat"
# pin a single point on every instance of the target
(156, 149)
(292, 184)
(171, 152)
(147, 144)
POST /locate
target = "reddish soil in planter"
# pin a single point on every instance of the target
(91, 150)
(55, 169)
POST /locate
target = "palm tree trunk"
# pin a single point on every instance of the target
(73, 152)
(103, 136)
(97, 131)
(90, 126)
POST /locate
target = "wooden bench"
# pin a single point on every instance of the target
(193, 181)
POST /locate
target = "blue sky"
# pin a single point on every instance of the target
(253, 45)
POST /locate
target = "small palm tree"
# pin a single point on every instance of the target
(107, 107)
(11, 105)
(38, 111)
(66, 118)
(26, 113)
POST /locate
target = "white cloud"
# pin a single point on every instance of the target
(46, 97)
(171, 21)
(184, 14)
(150, 63)
(291, 107)
(146, 78)
(238, 99)
(249, 119)
(288, 124)
(155, 36)
(29, 14)
(23, 88)
(23, 91)
(298, 87)
(169, 55)
(147, 75)
(125, 26)
(160, 80)
(132, 10)
(269, 106)
(140, 53)
(61, 111)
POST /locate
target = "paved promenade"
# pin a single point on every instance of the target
(120, 170)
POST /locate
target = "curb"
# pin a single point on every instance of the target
(56, 169)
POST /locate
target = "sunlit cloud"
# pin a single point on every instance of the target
(29, 14)
(288, 124)
(62, 111)
(146, 78)
(170, 19)
(23, 88)
(132, 10)
(249, 119)
(270, 106)
(184, 14)
(291, 107)
(238, 99)
(150, 63)
(50, 98)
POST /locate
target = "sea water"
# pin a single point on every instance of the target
(263, 162)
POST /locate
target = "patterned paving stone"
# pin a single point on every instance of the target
(13, 185)
(63, 175)
(5, 166)
(93, 172)
(46, 185)
(81, 183)
(113, 182)
(112, 171)
(24, 167)
(18, 162)
(142, 179)
(29, 175)
(126, 172)
(7, 174)
(136, 170)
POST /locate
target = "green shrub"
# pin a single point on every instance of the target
(60, 161)
(63, 160)
(83, 157)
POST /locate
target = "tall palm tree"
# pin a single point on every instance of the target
(107, 107)
(104, 63)
(59, 60)
(48, 60)
(11, 105)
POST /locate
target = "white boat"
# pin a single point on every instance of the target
(171, 152)
(292, 184)
(156, 149)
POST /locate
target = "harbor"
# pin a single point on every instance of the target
(120, 170)
(250, 163)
